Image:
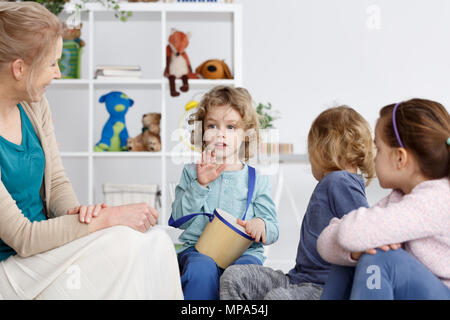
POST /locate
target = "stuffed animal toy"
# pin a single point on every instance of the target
(214, 69)
(115, 134)
(178, 65)
(74, 34)
(70, 63)
(149, 139)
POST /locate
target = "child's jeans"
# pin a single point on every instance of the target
(200, 274)
(391, 275)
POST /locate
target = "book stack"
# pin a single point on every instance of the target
(118, 72)
(276, 148)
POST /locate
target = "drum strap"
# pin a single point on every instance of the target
(251, 190)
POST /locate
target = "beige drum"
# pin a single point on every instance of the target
(223, 239)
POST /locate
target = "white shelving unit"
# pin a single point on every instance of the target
(92, 15)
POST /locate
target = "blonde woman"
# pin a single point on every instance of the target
(50, 246)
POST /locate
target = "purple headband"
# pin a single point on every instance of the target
(395, 125)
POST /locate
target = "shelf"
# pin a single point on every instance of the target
(112, 154)
(287, 158)
(71, 82)
(74, 154)
(127, 81)
(161, 7)
(294, 158)
(127, 154)
(208, 82)
(192, 82)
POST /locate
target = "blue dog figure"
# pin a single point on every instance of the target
(115, 133)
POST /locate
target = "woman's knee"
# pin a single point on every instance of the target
(127, 242)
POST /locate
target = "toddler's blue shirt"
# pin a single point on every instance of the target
(229, 193)
(337, 194)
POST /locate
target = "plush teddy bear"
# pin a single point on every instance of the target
(178, 65)
(115, 133)
(149, 139)
(214, 69)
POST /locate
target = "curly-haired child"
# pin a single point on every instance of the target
(221, 180)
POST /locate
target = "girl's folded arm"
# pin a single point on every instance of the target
(329, 248)
(264, 208)
(415, 216)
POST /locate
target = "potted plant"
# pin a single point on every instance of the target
(269, 136)
(266, 115)
(57, 6)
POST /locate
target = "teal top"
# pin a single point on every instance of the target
(22, 171)
(229, 193)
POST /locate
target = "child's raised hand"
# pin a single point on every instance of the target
(208, 170)
(256, 228)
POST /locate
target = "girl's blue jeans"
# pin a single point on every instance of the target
(200, 274)
(391, 275)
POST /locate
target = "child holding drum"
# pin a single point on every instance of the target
(223, 180)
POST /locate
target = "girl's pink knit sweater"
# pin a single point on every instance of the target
(420, 221)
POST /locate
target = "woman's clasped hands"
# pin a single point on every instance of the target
(139, 216)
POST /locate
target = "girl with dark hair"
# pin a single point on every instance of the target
(413, 142)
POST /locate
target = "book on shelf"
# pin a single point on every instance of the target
(117, 78)
(117, 71)
(118, 67)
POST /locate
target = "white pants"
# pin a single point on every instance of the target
(114, 263)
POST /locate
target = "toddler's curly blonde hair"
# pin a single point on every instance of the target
(340, 137)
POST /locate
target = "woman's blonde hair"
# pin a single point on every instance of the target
(240, 100)
(340, 137)
(28, 31)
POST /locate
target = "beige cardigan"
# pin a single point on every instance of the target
(28, 238)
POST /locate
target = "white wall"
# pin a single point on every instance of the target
(307, 55)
